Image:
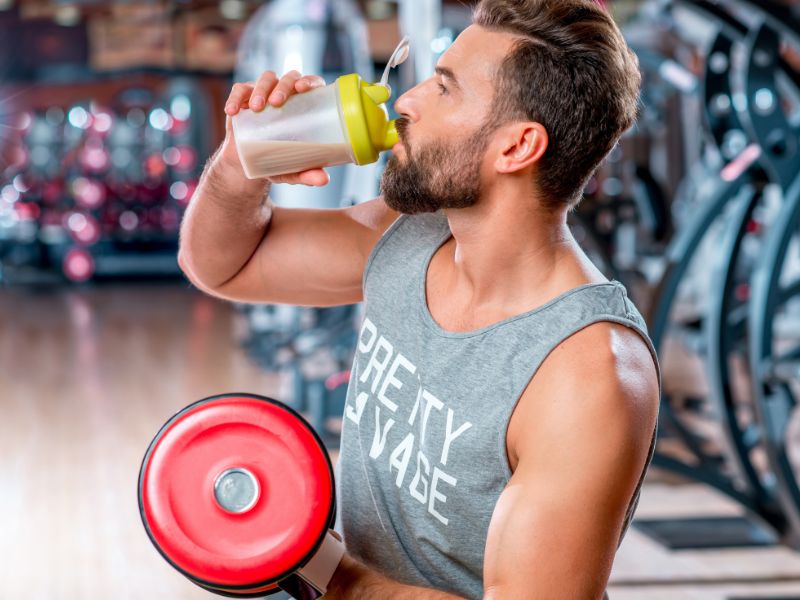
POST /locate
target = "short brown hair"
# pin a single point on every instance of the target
(572, 72)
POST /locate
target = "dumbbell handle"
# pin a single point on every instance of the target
(311, 581)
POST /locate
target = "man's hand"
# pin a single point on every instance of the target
(273, 91)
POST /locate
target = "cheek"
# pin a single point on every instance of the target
(450, 131)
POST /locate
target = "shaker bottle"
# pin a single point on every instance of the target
(343, 122)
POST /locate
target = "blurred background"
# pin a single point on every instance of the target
(108, 112)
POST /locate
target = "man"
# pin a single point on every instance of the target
(504, 395)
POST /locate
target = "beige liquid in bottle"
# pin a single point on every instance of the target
(266, 158)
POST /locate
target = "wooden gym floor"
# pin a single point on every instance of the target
(88, 376)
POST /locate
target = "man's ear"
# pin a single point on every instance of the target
(522, 145)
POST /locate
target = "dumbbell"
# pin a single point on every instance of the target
(237, 493)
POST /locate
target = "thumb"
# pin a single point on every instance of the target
(311, 177)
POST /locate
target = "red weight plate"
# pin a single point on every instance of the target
(253, 548)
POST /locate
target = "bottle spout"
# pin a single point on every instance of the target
(377, 92)
(392, 136)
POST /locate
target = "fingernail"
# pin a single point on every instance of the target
(257, 100)
(278, 97)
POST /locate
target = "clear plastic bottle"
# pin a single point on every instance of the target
(344, 122)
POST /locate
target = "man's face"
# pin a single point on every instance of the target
(441, 129)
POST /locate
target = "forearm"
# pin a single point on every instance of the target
(225, 221)
(355, 580)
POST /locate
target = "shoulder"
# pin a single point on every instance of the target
(602, 381)
(613, 355)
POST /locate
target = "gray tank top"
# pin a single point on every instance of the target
(423, 449)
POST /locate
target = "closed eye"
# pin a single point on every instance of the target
(441, 87)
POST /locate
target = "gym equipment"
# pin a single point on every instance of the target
(737, 437)
(737, 192)
(236, 492)
(774, 355)
(775, 286)
(109, 178)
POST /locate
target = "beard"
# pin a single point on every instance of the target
(441, 174)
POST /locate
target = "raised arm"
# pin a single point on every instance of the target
(236, 245)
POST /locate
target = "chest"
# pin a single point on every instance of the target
(454, 313)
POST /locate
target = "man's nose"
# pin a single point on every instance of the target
(406, 105)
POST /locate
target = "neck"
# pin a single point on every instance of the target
(506, 249)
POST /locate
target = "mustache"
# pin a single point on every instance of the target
(401, 124)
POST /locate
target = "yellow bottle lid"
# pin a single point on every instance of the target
(365, 117)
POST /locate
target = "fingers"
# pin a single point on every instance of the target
(262, 89)
(238, 98)
(268, 88)
(254, 95)
(308, 82)
(284, 88)
(312, 177)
